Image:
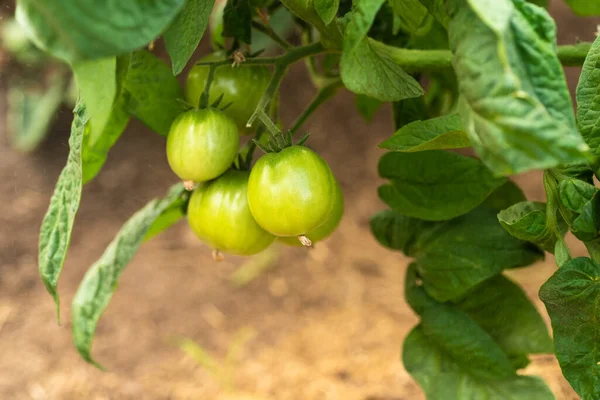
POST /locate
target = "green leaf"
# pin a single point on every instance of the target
(435, 185)
(396, 231)
(572, 298)
(55, 232)
(97, 84)
(101, 280)
(154, 92)
(585, 8)
(588, 98)
(31, 111)
(437, 8)
(330, 35)
(360, 20)
(411, 13)
(84, 29)
(587, 224)
(574, 194)
(539, 3)
(442, 378)
(516, 105)
(367, 106)
(504, 197)
(409, 110)
(184, 33)
(169, 217)
(369, 70)
(327, 9)
(95, 148)
(527, 221)
(237, 20)
(445, 132)
(502, 309)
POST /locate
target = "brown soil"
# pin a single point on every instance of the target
(327, 323)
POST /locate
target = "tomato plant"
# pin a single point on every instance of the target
(494, 84)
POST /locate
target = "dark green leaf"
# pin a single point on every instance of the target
(237, 20)
(31, 111)
(502, 309)
(574, 194)
(445, 132)
(504, 197)
(55, 232)
(585, 7)
(97, 84)
(409, 110)
(587, 224)
(588, 98)
(540, 3)
(411, 13)
(153, 91)
(572, 298)
(101, 280)
(327, 9)
(397, 231)
(516, 103)
(527, 221)
(435, 185)
(84, 29)
(437, 8)
(184, 34)
(95, 147)
(367, 106)
(442, 378)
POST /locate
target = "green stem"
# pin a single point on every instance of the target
(272, 34)
(322, 96)
(574, 55)
(205, 94)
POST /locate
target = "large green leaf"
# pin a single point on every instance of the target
(572, 298)
(237, 20)
(184, 34)
(516, 105)
(583, 199)
(442, 378)
(527, 221)
(503, 310)
(435, 185)
(410, 13)
(360, 20)
(96, 146)
(154, 92)
(101, 280)
(585, 7)
(330, 34)
(588, 98)
(446, 132)
(97, 85)
(84, 29)
(57, 226)
(327, 9)
(575, 193)
(437, 8)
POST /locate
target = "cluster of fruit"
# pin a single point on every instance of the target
(290, 194)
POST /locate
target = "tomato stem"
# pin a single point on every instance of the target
(272, 34)
(322, 96)
(205, 94)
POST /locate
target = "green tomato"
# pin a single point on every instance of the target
(323, 231)
(202, 144)
(241, 86)
(218, 214)
(291, 193)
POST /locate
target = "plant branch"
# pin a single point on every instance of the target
(322, 96)
(205, 94)
(272, 34)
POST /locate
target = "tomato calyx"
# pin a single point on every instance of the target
(280, 141)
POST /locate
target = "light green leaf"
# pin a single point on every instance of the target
(435, 185)
(446, 132)
(585, 7)
(527, 221)
(330, 35)
(361, 18)
(588, 98)
(97, 84)
(101, 280)
(169, 217)
(367, 106)
(369, 70)
(442, 378)
(572, 298)
(31, 111)
(516, 105)
(437, 8)
(153, 91)
(410, 12)
(503, 310)
(96, 147)
(184, 34)
(55, 232)
(327, 9)
(85, 29)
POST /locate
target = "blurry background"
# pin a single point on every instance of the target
(325, 323)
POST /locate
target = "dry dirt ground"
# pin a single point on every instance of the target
(326, 323)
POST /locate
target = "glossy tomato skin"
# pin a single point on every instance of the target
(202, 144)
(291, 192)
(242, 86)
(218, 214)
(325, 230)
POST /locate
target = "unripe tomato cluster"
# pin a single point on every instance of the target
(291, 194)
